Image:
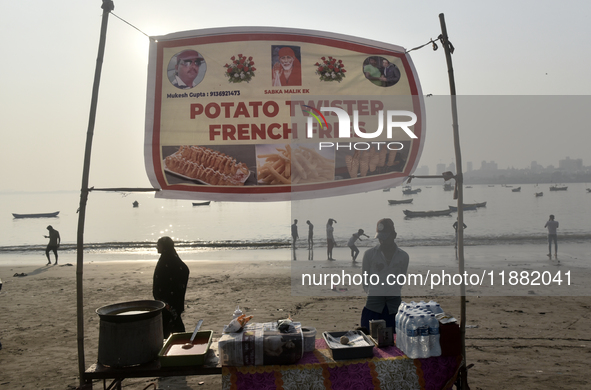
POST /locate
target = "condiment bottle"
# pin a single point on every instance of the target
(237, 312)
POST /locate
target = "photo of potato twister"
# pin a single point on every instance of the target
(207, 165)
(298, 165)
(364, 162)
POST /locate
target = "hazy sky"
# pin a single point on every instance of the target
(502, 48)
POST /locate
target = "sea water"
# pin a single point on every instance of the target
(112, 223)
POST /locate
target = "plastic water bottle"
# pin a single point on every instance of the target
(434, 344)
(412, 340)
(397, 321)
(404, 337)
(435, 307)
(423, 328)
(402, 305)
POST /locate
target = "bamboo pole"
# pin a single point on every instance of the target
(460, 196)
(107, 7)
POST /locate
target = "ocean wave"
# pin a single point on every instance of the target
(137, 246)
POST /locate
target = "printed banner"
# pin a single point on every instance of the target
(264, 114)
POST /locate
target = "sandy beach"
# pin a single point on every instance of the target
(515, 342)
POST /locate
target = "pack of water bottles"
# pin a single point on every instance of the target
(417, 329)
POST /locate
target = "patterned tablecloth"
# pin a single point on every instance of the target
(388, 369)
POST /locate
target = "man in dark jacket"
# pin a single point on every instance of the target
(170, 283)
(391, 73)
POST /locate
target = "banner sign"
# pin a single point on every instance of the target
(265, 114)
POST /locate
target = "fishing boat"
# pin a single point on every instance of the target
(539, 194)
(431, 213)
(465, 208)
(409, 191)
(40, 215)
(202, 203)
(558, 188)
(481, 204)
(518, 189)
(392, 201)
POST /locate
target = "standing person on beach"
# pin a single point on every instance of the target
(330, 242)
(310, 235)
(552, 225)
(170, 284)
(351, 243)
(294, 233)
(455, 225)
(54, 243)
(385, 260)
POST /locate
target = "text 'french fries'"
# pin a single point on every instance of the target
(297, 165)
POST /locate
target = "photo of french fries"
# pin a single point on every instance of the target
(297, 164)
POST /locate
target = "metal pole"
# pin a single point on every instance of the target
(107, 7)
(460, 196)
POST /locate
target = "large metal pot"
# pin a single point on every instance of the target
(130, 333)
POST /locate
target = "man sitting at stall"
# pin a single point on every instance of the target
(383, 260)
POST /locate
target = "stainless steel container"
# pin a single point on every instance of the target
(130, 333)
(374, 326)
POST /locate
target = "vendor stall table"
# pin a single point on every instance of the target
(152, 370)
(388, 369)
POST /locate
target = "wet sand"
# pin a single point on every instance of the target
(515, 342)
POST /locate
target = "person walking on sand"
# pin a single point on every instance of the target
(330, 242)
(171, 276)
(351, 243)
(455, 225)
(552, 225)
(310, 235)
(54, 243)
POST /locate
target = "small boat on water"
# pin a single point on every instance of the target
(41, 215)
(409, 191)
(518, 189)
(386, 190)
(558, 188)
(202, 203)
(392, 201)
(431, 213)
(136, 204)
(539, 194)
(465, 208)
(588, 189)
(481, 204)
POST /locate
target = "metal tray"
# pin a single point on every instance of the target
(352, 352)
(203, 338)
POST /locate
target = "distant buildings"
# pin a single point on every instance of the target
(488, 166)
(570, 165)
